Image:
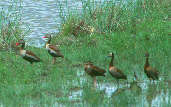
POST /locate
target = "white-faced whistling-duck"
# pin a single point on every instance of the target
(26, 54)
(151, 73)
(52, 50)
(93, 71)
(115, 72)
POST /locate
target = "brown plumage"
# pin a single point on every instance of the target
(115, 72)
(151, 73)
(26, 54)
(52, 50)
(93, 71)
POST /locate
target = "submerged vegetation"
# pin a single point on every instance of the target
(127, 29)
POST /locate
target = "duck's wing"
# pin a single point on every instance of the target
(32, 55)
(117, 73)
(152, 72)
(98, 71)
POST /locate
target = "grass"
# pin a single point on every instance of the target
(66, 84)
(10, 22)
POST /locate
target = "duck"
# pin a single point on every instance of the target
(26, 54)
(93, 71)
(52, 49)
(152, 73)
(114, 71)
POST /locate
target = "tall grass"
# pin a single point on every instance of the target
(10, 25)
(127, 29)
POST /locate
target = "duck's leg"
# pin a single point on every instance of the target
(153, 81)
(117, 82)
(127, 82)
(94, 81)
(54, 60)
(31, 63)
(150, 80)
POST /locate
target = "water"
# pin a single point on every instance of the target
(41, 17)
(150, 93)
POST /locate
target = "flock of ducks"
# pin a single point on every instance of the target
(89, 68)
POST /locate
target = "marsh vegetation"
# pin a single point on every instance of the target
(129, 30)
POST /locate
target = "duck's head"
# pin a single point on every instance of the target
(47, 36)
(20, 42)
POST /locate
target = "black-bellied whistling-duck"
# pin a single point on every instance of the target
(52, 50)
(115, 72)
(93, 71)
(151, 73)
(26, 54)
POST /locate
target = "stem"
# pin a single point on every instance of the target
(54, 60)
(111, 62)
(94, 81)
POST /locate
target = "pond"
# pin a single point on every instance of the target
(41, 17)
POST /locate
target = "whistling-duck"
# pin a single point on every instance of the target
(52, 50)
(115, 72)
(26, 54)
(151, 73)
(93, 71)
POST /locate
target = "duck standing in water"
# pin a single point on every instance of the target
(93, 71)
(151, 73)
(114, 71)
(52, 50)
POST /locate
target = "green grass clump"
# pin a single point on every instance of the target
(135, 32)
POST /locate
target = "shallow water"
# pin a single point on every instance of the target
(146, 93)
(41, 17)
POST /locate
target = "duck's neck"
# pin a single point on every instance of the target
(22, 46)
(49, 40)
(147, 62)
(111, 62)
